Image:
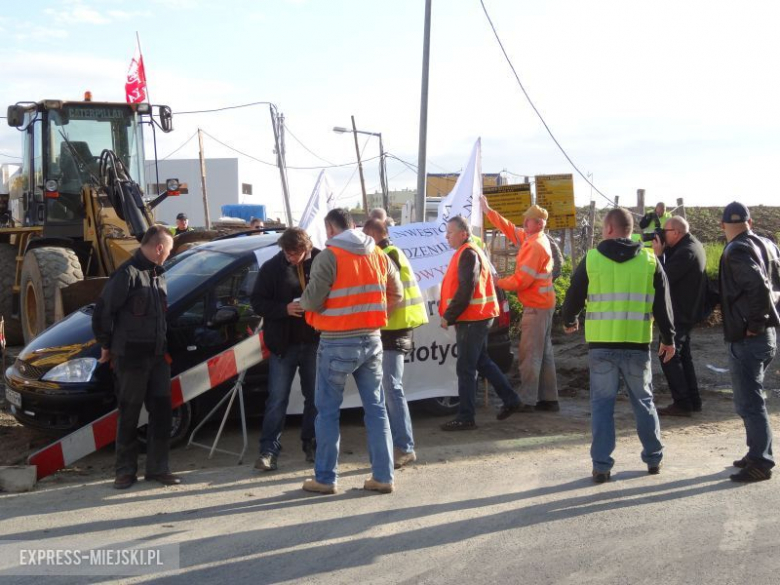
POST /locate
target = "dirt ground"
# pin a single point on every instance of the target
(571, 424)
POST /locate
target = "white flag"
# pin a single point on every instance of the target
(321, 201)
(464, 197)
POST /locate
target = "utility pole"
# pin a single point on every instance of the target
(383, 176)
(360, 168)
(422, 174)
(277, 123)
(203, 181)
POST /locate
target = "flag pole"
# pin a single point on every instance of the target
(141, 56)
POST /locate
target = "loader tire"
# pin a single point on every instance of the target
(13, 328)
(45, 270)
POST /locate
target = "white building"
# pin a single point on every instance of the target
(223, 185)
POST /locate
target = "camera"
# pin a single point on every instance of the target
(651, 236)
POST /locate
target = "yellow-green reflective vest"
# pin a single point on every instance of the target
(652, 227)
(411, 312)
(620, 298)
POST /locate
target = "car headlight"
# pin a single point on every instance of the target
(78, 370)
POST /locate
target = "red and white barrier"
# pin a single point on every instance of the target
(184, 387)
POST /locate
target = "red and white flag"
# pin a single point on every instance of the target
(135, 88)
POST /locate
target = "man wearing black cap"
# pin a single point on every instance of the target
(182, 225)
(749, 279)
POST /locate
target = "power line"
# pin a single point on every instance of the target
(352, 176)
(10, 156)
(224, 108)
(169, 155)
(271, 164)
(520, 83)
(306, 148)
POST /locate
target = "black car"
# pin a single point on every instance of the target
(57, 385)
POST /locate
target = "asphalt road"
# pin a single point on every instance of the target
(477, 508)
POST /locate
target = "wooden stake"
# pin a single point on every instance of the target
(592, 223)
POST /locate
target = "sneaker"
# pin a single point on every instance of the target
(674, 410)
(400, 458)
(548, 406)
(750, 474)
(122, 482)
(266, 462)
(741, 463)
(696, 407)
(309, 450)
(312, 485)
(507, 411)
(377, 486)
(163, 478)
(654, 469)
(459, 425)
(601, 476)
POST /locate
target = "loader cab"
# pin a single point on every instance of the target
(63, 142)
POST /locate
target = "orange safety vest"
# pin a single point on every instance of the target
(357, 299)
(532, 280)
(484, 304)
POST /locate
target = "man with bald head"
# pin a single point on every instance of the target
(625, 290)
(684, 260)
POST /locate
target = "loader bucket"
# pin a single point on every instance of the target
(72, 297)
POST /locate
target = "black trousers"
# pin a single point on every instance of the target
(680, 373)
(142, 382)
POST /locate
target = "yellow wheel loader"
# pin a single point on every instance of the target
(76, 208)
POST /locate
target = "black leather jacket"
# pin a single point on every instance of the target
(748, 268)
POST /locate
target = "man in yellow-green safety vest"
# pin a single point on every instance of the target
(653, 221)
(623, 288)
(396, 343)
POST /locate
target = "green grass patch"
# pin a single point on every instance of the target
(714, 251)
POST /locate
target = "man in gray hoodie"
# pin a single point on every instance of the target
(351, 291)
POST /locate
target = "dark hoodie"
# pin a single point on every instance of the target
(620, 250)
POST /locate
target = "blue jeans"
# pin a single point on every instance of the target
(281, 372)
(336, 359)
(748, 360)
(395, 401)
(607, 366)
(471, 340)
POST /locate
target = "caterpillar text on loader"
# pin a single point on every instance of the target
(76, 206)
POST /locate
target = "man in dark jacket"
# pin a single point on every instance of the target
(625, 287)
(749, 294)
(290, 340)
(129, 324)
(684, 261)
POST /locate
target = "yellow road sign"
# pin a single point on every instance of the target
(511, 201)
(556, 194)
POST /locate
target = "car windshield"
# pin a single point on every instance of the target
(189, 270)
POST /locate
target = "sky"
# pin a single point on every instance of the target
(678, 98)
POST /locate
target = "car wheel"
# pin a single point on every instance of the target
(180, 426)
(442, 406)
